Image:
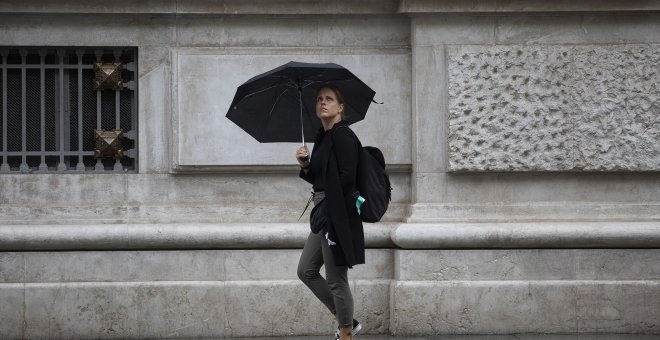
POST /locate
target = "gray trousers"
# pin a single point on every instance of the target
(333, 291)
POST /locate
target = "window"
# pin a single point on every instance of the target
(51, 109)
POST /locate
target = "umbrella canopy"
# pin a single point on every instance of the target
(280, 105)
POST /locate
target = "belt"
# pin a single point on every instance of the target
(317, 197)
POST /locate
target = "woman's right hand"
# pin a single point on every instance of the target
(302, 156)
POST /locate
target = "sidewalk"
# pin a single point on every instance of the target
(475, 337)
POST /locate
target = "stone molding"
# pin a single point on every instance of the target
(523, 6)
(292, 236)
(170, 236)
(528, 235)
(532, 212)
(298, 7)
(212, 7)
(265, 169)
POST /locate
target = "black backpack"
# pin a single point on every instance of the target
(373, 183)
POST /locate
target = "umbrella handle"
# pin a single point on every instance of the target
(302, 128)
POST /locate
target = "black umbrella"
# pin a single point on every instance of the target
(280, 105)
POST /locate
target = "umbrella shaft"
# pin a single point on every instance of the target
(302, 129)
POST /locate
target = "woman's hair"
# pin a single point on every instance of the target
(337, 92)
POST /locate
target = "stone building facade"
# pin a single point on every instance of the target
(522, 138)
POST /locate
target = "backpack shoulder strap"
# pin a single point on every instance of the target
(352, 133)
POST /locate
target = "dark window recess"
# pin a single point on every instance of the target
(50, 108)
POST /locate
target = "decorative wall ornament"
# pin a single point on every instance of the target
(108, 144)
(108, 76)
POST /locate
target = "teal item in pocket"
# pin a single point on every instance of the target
(358, 203)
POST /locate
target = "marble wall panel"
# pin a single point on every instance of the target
(256, 312)
(619, 307)
(425, 307)
(124, 310)
(181, 309)
(492, 307)
(207, 81)
(99, 30)
(528, 264)
(12, 311)
(510, 29)
(171, 265)
(12, 267)
(154, 110)
(338, 31)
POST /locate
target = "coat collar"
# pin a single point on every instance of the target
(321, 132)
(339, 123)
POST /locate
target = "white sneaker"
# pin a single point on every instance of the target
(357, 327)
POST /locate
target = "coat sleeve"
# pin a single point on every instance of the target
(309, 176)
(347, 153)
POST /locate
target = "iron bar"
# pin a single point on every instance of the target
(42, 133)
(80, 166)
(117, 166)
(23, 167)
(61, 166)
(5, 165)
(99, 164)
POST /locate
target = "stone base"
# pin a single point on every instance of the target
(505, 307)
(166, 309)
(159, 294)
(526, 291)
(255, 293)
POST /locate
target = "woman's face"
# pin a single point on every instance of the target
(327, 106)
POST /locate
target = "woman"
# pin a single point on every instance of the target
(338, 239)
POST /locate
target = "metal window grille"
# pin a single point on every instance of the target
(50, 108)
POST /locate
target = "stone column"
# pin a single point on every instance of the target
(535, 139)
(516, 114)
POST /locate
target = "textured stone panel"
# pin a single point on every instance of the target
(554, 108)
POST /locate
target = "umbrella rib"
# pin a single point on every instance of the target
(257, 92)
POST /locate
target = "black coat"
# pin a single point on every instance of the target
(338, 173)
